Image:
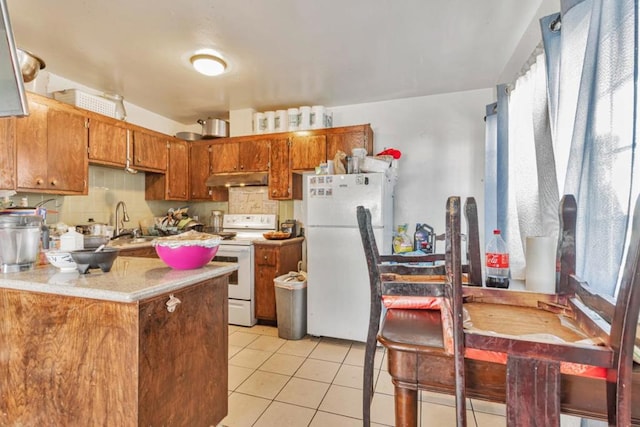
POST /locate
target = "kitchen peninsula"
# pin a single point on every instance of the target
(140, 345)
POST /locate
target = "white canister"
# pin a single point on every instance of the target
(71, 240)
(317, 117)
(305, 118)
(258, 123)
(281, 121)
(293, 119)
(330, 167)
(540, 258)
(270, 121)
(328, 119)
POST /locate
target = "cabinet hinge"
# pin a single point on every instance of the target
(86, 123)
(289, 142)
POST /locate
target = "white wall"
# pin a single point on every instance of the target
(441, 138)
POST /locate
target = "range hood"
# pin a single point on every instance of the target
(238, 180)
(13, 99)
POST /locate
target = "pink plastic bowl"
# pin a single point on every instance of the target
(186, 257)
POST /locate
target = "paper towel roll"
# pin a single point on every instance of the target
(540, 272)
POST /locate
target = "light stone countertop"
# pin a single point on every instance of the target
(130, 279)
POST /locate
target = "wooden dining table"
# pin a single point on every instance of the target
(541, 354)
(580, 395)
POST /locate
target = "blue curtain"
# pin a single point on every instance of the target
(490, 168)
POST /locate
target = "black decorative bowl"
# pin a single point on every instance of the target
(89, 258)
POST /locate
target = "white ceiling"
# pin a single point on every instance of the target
(282, 53)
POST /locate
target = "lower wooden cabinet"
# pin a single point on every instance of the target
(273, 259)
(78, 361)
(140, 252)
(182, 367)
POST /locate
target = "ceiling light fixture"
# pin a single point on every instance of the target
(207, 64)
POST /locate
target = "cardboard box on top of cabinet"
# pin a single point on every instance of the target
(241, 122)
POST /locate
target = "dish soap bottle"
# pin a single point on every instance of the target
(402, 241)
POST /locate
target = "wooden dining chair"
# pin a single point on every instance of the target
(495, 357)
(399, 294)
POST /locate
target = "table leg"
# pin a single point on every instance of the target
(406, 401)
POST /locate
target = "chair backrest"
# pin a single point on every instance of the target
(374, 264)
(617, 321)
(473, 242)
(453, 301)
(452, 268)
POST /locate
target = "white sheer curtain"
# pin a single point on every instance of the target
(572, 131)
(533, 194)
(600, 159)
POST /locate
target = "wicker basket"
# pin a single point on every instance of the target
(80, 99)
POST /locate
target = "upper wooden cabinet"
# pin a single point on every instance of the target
(279, 171)
(240, 155)
(347, 138)
(307, 151)
(51, 148)
(174, 184)
(108, 141)
(200, 168)
(298, 152)
(149, 151)
(178, 170)
(8, 154)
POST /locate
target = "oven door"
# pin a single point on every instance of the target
(241, 280)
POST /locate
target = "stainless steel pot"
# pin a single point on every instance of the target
(188, 136)
(214, 128)
(19, 241)
(30, 65)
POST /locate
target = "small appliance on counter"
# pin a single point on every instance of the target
(19, 242)
(290, 226)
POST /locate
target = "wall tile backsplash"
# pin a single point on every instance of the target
(107, 187)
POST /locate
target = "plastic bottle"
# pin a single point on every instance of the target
(497, 262)
(71, 240)
(421, 241)
(401, 240)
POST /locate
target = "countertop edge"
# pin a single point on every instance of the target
(183, 278)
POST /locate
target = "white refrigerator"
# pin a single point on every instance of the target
(337, 275)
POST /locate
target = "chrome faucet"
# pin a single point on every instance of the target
(120, 221)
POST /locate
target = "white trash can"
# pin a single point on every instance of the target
(291, 306)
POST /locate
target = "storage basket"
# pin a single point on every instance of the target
(94, 103)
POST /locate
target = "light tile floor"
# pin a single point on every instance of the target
(317, 382)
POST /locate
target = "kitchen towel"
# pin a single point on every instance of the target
(540, 272)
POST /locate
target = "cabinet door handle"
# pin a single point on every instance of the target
(172, 303)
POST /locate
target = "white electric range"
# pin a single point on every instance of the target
(248, 228)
